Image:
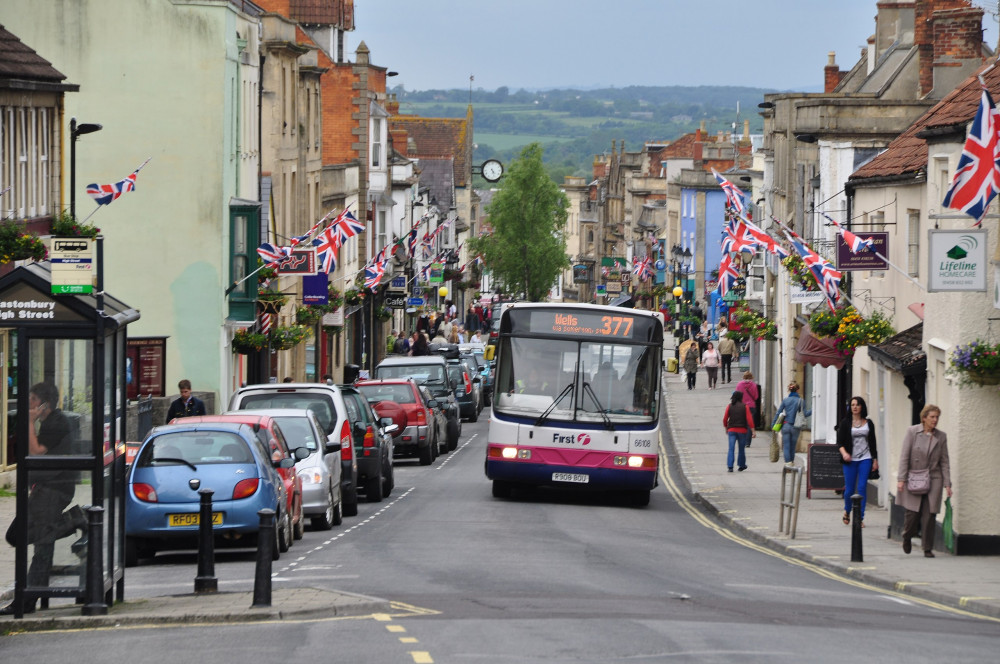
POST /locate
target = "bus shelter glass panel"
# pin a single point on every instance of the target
(58, 424)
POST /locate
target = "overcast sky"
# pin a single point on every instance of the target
(774, 44)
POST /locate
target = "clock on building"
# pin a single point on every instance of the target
(491, 170)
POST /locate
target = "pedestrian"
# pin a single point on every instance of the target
(475, 338)
(859, 455)
(454, 336)
(750, 394)
(390, 343)
(924, 453)
(789, 408)
(419, 345)
(691, 364)
(740, 427)
(401, 346)
(711, 360)
(727, 348)
(50, 433)
(480, 316)
(423, 322)
(471, 320)
(187, 405)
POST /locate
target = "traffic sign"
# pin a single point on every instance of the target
(72, 263)
(415, 302)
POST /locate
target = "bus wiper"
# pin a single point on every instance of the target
(587, 389)
(177, 459)
(562, 395)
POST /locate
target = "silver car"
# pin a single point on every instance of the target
(322, 499)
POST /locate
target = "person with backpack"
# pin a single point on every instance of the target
(739, 427)
(789, 408)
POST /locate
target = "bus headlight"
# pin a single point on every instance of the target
(635, 462)
(509, 452)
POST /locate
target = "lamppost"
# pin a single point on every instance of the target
(75, 131)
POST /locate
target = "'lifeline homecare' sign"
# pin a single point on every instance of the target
(957, 260)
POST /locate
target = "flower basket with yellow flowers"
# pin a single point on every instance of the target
(284, 337)
(16, 244)
(800, 273)
(976, 363)
(334, 299)
(354, 296)
(308, 314)
(246, 342)
(749, 323)
(850, 329)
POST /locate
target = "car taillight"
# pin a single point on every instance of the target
(346, 443)
(144, 492)
(369, 437)
(421, 417)
(245, 488)
(468, 383)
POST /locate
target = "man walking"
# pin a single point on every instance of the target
(187, 405)
(727, 347)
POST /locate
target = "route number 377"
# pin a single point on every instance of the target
(616, 325)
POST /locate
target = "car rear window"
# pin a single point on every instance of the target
(321, 408)
(196, 447)
(298, 432)
(397, 393)
(422, 373)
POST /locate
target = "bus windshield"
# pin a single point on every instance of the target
(569, 380)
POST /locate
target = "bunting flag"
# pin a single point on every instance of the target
(739, 239)
(728, 274)
(826, 276)
(734, 197)
(271, 254)
(346, 226)
(854, 243)
(426, 246)
(327, 245)
(373, 275)
(977, 179)
(411, 243)
(642, 268)
(104, 194)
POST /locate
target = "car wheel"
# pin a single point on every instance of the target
(285, 533)
(373, 487)
(453, 430)
(276, 550)
(501, 489)
(131, 552)
(325, 521)
(388, 482)
(351, 503)
(427, 455)
(300, 525)
(338, 510)
(475, 414)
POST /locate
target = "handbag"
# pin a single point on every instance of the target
(946, 527)
(874, 474)
(918, 482)
(775, 450)
(778, 424)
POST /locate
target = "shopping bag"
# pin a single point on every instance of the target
(949, 534)
(775, 451)
(777, 425)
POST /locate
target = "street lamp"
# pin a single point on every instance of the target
(75, 131)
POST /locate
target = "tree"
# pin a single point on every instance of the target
(526, 250)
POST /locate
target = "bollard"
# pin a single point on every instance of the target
(206, 582)
(265, 553)
(857, 555)
(95, 605)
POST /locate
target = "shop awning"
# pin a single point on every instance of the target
(811, 349)
(903, 352)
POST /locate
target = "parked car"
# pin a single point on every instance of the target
(372, 447)
(326, 401)
(322, 498)
(466, 379)
(271, 435)
(440, 416)
(419, 434)
(431, 371)
(475, 352)
(162, 505)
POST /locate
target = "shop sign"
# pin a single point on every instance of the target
(957, 260)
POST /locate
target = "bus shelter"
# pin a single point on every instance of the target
(65, 401)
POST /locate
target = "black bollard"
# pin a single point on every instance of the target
(206, 582)
(95, 605)
(857, 555)
(265, 553)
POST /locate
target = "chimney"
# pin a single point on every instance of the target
(746, 130)
(831, 73)
(392, 104)
(948, 35)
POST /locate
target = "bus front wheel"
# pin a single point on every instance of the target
(640, 498)
(501, 489)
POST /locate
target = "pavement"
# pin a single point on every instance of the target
(747, 503)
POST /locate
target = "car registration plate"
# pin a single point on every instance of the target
(181, 520)
(570, 477)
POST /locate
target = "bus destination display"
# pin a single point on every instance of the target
(575, 323)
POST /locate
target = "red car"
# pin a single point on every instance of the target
(291, 526)
(419, 433)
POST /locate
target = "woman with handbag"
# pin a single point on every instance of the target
(924, 469)
(789, 410)
(859, 455)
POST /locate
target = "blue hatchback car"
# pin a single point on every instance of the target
(161, 499)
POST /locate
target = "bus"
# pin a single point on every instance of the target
(576, 399)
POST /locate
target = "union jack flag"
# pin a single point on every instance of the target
(373, 275)
(327, 245)
(642, 268)
(426, 246)
(104, 194)
(854, 243)
(734, 197)
(271, 254)
(346, 226)
(826, 276)
(977, 178)
(411, 243)
(728, 274)
(739, 239)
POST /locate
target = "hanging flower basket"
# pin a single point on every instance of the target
(308, 315)
(977, 363)
(383, 313)
(335, 300)
(749, 323)
(16, 244)
(353, 296)
(333, 329)
(800, 273)
(270, 302)
(284, 337)
(850, 329)
(246, 342)
(63, 225)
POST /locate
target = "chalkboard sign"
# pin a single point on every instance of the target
(825, 470)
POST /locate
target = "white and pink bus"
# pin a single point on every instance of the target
(576, 399)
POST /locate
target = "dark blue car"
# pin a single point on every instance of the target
(162, 502)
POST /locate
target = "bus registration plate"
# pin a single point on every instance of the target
(570, 477)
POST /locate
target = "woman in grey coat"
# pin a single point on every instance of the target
(924, 446)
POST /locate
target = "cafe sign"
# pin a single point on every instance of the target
(957, 260)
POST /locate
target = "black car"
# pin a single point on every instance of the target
(465, 375)
(372, 447)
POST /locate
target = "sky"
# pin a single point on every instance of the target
(545, 44)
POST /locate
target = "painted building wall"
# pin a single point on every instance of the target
(163, 79)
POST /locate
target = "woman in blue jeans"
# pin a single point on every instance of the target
(859, 455)
(790, 407)
(738, 421)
